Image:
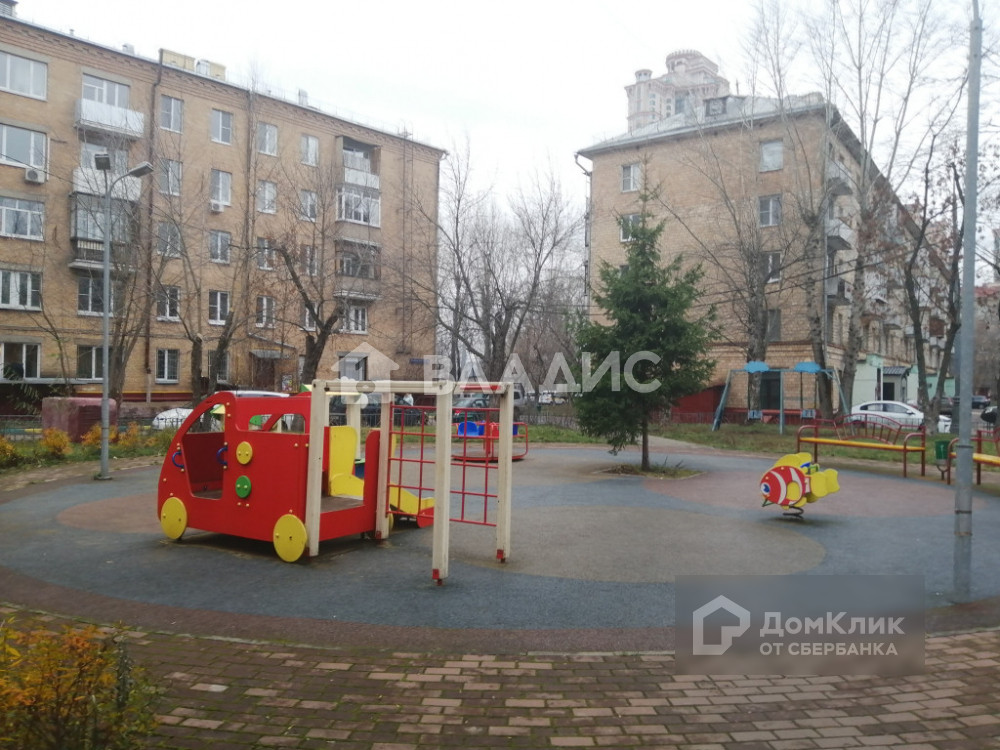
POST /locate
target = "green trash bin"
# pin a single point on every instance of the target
(941, 450)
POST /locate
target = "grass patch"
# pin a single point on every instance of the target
(660, 472)
(548, 433)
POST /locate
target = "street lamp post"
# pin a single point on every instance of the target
(103, 163)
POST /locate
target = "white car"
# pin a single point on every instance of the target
(898, 412)
(171, 419)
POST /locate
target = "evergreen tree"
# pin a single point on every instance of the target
(654, 339)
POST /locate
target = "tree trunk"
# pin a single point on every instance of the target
(645, 443)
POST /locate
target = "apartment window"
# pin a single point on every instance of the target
(168, 303)
(771, 267)
(627, 226)
(309, 148)
(19, 360)
(218, 366)
(90, 362)
(170, 177)
(770, 210)
(20, 290)
(631, 175)
(167, 365)
(355, 319)
(354, 204)
(168, 239)
(22, 148)
(90, 295)
(222, 126)
(106, 92)
(267, 197)
(19, 75)
(772, 155)
(774, 325)
(267, 138)
(265, 312)
(265, 254)
(171, 114)
(20, 218)
(218, 307)
(308, 321)
(222, 187)
(358, 260)
(310, 260)
(307, 205)
(218, 246)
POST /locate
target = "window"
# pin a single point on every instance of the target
(168, 239)
(355, 319)
(267, 139)
(772, 155)
(631, 176)
(20, 290)
(218, 246)
(628, 224)
(171, 113)
(218, 307)
(88, 219)
(170, 177)
(19, 218)
(19, 360)
(218, 366)
(358, 260)
(308, 321)
(222, 187)
(310, 261)
(265, 254)
(771, 267)
(770, 210)
(222, 126)
(774, 325)
(90, 362)
(168, 303)
(23, 148)
(265, 312)
(167, 365)
(19, 75)
(90, 295)
(307, 205)
(106, 92)
(354, 204)
(267, 197)
(309, 150)
(715, 107)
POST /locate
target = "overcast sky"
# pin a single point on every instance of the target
(528, 83)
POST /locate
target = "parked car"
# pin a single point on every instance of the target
(466, 409)
(371, 411)
(171, 419)
(899, 412)
(950, 403)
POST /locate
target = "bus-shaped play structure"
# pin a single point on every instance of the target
(275, 469)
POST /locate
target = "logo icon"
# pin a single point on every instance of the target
(727, 633)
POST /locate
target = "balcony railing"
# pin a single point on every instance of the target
(356, 287)
(361, 177)
(839, 235)
(91, 182)
(839, 291)
(88, 255)
(91, 115)
(838, 178)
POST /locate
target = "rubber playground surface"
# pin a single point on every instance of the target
(593, 557)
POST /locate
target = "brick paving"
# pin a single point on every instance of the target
(232, 693)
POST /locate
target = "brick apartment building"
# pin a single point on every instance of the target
(733, 177)
(240, 180)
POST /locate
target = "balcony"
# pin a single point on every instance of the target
(838, 291)
(357, 287)
(838, 178)
(91, 115)
(893, 321)
(839, 236)
(90, 181)
(360, 177)
(88, 255)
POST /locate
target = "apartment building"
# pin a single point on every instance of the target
(764, 194)
(261, 220)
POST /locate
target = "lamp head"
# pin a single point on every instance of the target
(140, 170)
(102, 162)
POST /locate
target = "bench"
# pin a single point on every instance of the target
(867, 432)
(980, 441)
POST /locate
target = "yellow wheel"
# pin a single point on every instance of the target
(173, 517)
(289, 538)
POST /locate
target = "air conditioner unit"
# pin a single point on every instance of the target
(216, 207)
(37, 176)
